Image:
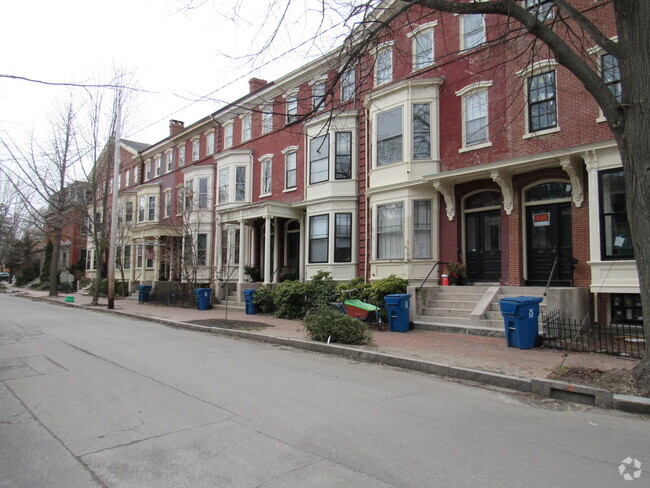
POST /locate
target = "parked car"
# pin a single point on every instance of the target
(5, 277)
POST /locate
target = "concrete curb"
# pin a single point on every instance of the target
(549, 388)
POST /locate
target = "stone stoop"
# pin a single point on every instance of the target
(472, 309)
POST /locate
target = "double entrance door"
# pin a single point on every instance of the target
(483, 245)
(549, 247)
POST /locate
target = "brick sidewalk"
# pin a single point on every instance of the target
(467, 351)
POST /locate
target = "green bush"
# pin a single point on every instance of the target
(290, 300)
(263, 298)
(103, 288)
(321, 289)
(322, 323)
(386, 286)
(354, 289)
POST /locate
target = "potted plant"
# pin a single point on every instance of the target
(253, 273)
(457, 272)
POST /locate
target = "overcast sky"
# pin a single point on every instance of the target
(175, 54)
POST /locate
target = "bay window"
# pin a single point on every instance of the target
(390, 231)
(342, 237)
(319, 159)
(343, 156)
(616, 238)
(240, 183)
(224, 185)
(422, 229)
(421, 131)
(318, 237)
(389, 136)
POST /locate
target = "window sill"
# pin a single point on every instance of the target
(601, 119)
(530, 135)
(475, 147)
(264, 195)
(289, 190)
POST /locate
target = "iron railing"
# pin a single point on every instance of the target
(429, 274)
(174, 298)
(618, 339)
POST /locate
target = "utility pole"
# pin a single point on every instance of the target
(114, 209)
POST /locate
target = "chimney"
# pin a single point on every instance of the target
(176, 126)
(256, 83)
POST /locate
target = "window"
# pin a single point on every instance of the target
(147, 170)
(626, 308)
(384, 66)
(290, 170)
(292, 108)
(616, 238)
(389, 136)
(343, 157)
(224, 181)
(475, 111)
(151, 215)
(240, 183)
(227, 135)
(318, 96)
(542, 106)
(319, 159)
(611, 74)
(348, 85)
(170, 161)
(267, 120)
(127, 256)
(158, 165)
(128, 213)
(246, 127)
(110, 186)
(181, 156)
(189, 195)
(542, 8)
(141, 209)
(201, 249)
(390, 234)
(422, 49)
(318, 234)
(138, 256)
(422, 229)
(473, 30)
(342, 237)
(195, 149)
(180, 199)
(127, 177)
(149, 254)
(421, 131)
(203, 193)
(168, 203)
(267, 166)
(209, 143)
(236, 246)
(136, 174)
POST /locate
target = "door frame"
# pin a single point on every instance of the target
(477, 210)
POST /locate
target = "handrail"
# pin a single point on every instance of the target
(550, 276)
(429, 274)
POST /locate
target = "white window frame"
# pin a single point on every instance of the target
(196, 149)
(318, 96)
(169, 157)
(266, 175)
(151, 208)
(467, 36)
(228, 132)
(383, 72)
(245, 169)
(420, 232)
(147, 170)
(209, 143)
(267, 118)
(168, 202)
(203, 197)
(349, 84)
(290, 153)
(127, 177)
(379, 114)
(416, 35)
(292, 107)
(246, 127)
(224, 185)
(465, 93)
(158, 165)
(378, 234)
(535, 69)
(181, 155)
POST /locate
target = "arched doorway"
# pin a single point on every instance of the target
(549, 249)
(483, 236)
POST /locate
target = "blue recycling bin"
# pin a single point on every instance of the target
(398, 306)
(251, 309)
(203, 298)
(144, 293)
(520, 319)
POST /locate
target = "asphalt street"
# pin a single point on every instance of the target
(90, 399)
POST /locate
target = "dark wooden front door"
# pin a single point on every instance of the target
(483, 245)
(548, 244)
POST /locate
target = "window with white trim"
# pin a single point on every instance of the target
(149, 254)
(348, 85)
(209, 143)
(168, 203)
(343, 155)
(319, 159)
(266, 175)
(201, 249)
(203, 193)
(127, 256)
(170, 161)
(390, 231)
(196, 144)
(543, 9)
(138, 256)
(127, 177)
(616, 236)
(474, 102)
(267, 119)
(542, 103)
(147, 170)
(141, 209)
(227, 135)
(384, 65)
(421, 130)
(290, 170)
(240, 183)
(151, 208)
(611, 75)
(389, 136)
(422, 229)
(246, 127)
(119, 181)
(224, 185)
(189, 195)
(422, 48)
(342, 237)
(292, 108)
(181, 156)
(180, 199)
(473, 30)
(318, 96)
(318, 237)
(158, 161)
(128, 213)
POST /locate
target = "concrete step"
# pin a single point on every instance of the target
(457, 304)
(442, 320)
(461, 297)
(446, 312)
(459, 328)
(233, 306)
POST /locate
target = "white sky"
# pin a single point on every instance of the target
(174, 54)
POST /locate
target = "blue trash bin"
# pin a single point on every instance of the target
(520, 319)
(398, 306)
(203, 298)
(144, 293)
(251, 309)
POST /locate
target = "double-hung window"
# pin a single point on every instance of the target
(318, 96)
(127, 177)
(147, 170)
(127, 256)
(290, 170)
(542, 105)
(138, 256)
(421, 131)
(141, 209)
(384, 65)
(266, 184)
(543, 9)
(318, 236)
(342, 237)
(227, 135)
(611, 74)
(201, 249)
(128, 213)
(150, 254)
(158, 165)
(390, 231)
(224, 185)
(319, 159)
(209, 143)
(195, 149)
(348, 85)
(267, 119)
(240, 183)
(422, 229)
(170, 161)
(343, 157)
(422, 48)
(475, 114)
(292, 108)
(180, 199)
(181, 156)
(616, 238)
(473, 30)
(203, 193)
(389, 136)
(189, 195)
(168, 203)
(246, 127)
(151, 209)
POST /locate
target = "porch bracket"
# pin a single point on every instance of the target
(504, 180)
(574, 169)
(447, 191)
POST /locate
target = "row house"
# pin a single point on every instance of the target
(445, 141)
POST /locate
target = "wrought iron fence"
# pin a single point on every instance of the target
(174, 298)
(618, 339)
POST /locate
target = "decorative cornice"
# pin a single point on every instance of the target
(574, 169)
(447, 191)
(504, 180)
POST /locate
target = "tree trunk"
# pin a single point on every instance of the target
(633, 140)
(54, 264)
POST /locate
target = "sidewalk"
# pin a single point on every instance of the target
(467, 351)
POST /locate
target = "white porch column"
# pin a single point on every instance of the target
(301, 249)
(276, 250)
(242, 250)
(156, 259)
(267, 250)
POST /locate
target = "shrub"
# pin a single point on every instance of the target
(320, 289)
(322, 323)
(386, 286)
(263, 299)
(103, 287)
(290, 300)
(354, 289)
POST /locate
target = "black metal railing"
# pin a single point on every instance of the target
(429, 274)
(617, 339)
(174, 298)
